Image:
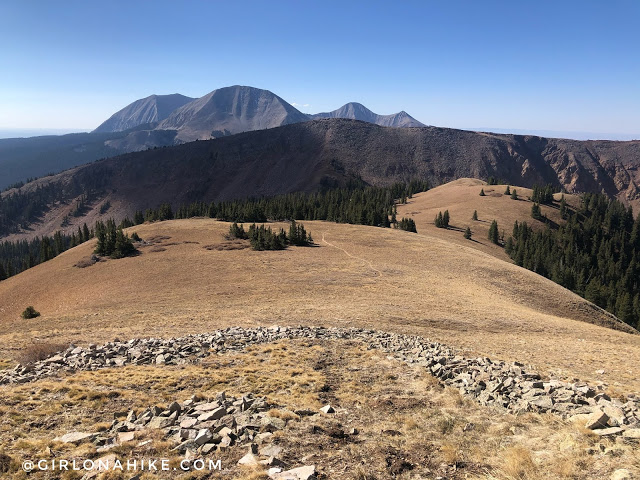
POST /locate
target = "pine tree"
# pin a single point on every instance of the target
(475, 215)
(407, 224)
(86, 235)
(482, 194)
(439, 222)
(445, 219)
(467, 233)
(46, 251)
(514, 194)
(493, 232)
(507, 191)
(535, 212)
(563, 207)
(122, 245)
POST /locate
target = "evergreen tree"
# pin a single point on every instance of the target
(237, 231)
(507, 191)
(46, 251)
(467, 233)
(535, 212)
(514, 194)
(122, 245)
(445, 219)
(407, 224)
(475, 215)
(86, 235)
(439, 222)
(493, 232)
(563, 207)
(482, 194)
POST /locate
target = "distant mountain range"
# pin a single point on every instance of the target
(163, 120)
(231, 110)
(357, 111)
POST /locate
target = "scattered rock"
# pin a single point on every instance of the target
(76, 438)
(597, 419)
(327, 409)
(511, 386)
(300, 473)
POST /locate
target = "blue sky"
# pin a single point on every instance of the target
(560, 66)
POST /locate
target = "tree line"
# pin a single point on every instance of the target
(355, 203)
(595, 253)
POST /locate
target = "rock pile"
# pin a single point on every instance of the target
(200, 427)
(493, 383)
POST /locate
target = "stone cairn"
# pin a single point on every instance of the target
(511, 386)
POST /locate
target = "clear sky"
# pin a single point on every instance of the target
(560, 65)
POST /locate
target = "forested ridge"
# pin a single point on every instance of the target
(356, 204)
(595, 253)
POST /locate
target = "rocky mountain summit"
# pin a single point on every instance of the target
(230, 110)
(511, 386)
(149, 110)
(357, 111)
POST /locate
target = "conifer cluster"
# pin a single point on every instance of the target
(442, 219)
(596, 254)
(264, 238)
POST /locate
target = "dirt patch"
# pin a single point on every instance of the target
(229, 245)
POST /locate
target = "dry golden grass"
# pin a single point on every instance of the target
(408, 426)
(355, 276)
(461, 197)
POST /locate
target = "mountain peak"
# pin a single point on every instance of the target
(151, 109)
(357, 111)
(230, 110)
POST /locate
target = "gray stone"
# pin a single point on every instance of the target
(300, 473)
(76, 437)
(597, 419)
(213, 414)
(204, 436)
(161, 422)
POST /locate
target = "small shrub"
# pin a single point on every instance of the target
(39, 351)
(30, 312)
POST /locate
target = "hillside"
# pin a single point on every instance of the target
(378, 278)
(188, 279)
(307, 156)
(462, 197)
